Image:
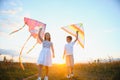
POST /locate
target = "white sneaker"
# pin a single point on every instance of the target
(68, 76)
(46, 78)
(71, 74)
(39, 78)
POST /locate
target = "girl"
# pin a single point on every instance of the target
(45, 54)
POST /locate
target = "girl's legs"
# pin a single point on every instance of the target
(47, 70)
(46, 73)
(40, 70)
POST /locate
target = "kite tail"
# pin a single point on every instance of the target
(18, 29)
(21, 65)
(32, 47)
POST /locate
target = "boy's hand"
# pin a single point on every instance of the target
(76, 36)
(77, 32)
(63, 56)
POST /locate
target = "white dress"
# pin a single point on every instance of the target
(45, 58)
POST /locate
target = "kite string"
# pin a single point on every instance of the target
(32, 48)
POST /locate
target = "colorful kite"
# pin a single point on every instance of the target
(71, 29)
(34, 27)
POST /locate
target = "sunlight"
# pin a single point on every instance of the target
(58, 61)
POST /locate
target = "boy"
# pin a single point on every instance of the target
(68, 52)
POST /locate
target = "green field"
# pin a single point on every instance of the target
(93, 71)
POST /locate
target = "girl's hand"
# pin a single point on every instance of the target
(40, 29)
(39, 35)
(53, 56)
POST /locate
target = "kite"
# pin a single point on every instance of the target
(34, 27)
(71, 29)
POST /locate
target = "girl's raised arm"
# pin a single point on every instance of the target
(39, 36)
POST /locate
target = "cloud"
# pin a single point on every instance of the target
(13, 7)
(10, 3)
(8, 52)
(8, 12)
(12, 16)
(11, 11)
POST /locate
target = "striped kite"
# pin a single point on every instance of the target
(71, 29)
(34, 26)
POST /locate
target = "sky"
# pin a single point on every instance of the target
(100, 18)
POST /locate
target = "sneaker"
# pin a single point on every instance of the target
(39, 78)
(46, 78)
(71, 74)
(68, 76)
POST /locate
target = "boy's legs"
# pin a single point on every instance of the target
(68, 70)
(71, 65)
(68, 65)
(71, 69)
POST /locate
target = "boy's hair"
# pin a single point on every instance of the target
(69, 37)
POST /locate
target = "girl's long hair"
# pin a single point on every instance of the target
(49, 37)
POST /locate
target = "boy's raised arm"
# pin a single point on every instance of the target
(39, 36)
(76, 36)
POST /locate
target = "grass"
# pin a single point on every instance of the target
(12, 71)
(91, 71)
